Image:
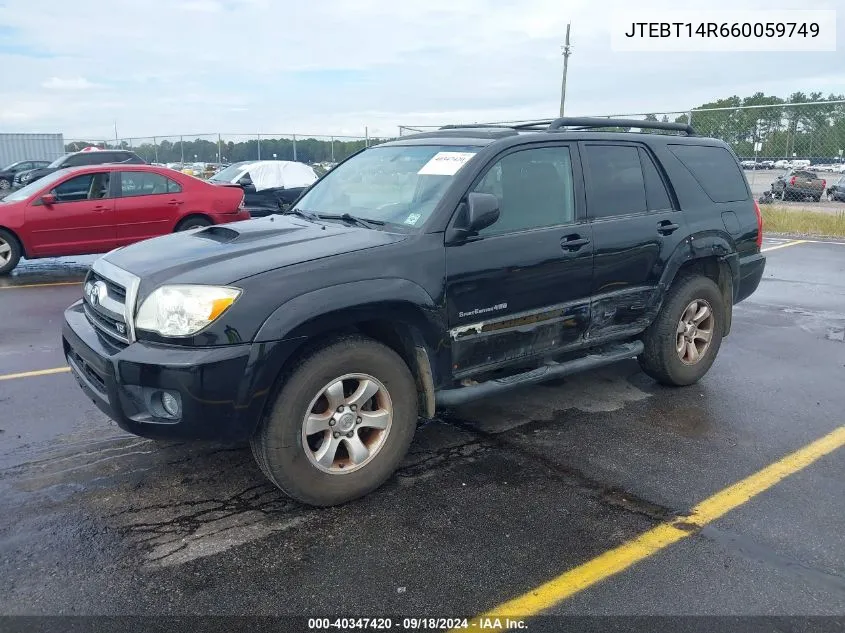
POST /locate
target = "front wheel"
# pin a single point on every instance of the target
(4, 184)
(10, 252)
(831, 197)
(341, 423)
(682, 343)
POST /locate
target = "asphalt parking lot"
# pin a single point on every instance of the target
(494, 501)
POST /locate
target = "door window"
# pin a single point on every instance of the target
(616, 182)
(139, 183)
(534, 188)
(84, 187)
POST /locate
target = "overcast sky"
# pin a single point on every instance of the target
(162, 67)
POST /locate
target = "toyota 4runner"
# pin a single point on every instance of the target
(417, 275)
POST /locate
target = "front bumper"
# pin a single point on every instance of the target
(222, 395)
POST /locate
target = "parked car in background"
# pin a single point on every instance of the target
(269, 186)
(82, 210)
(797, 184)
(750, 164)
(81, 159)
(836, 191)
(767, 164)
(781, 164)
(8, 173)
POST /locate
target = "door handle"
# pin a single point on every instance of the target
(175, 203)
(100, 207)
(667, 227)
(573, 242)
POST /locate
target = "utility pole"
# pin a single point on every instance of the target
(566, 54)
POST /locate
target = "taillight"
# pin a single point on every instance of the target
(792, 181)
(759, 224)
(824, 183)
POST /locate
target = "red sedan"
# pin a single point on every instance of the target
(86, 210)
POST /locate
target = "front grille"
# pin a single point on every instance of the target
(114, 328)
(115, 290)
(109, 295)
(106, 310)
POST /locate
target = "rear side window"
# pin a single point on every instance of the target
(715, 170)
(617, 186)
(655, 189)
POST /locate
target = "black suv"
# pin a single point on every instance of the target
(417, 275)
(80, 159)
(8, 173)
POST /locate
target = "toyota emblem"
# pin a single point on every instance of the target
(96, 292)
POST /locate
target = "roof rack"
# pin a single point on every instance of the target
(583, 123)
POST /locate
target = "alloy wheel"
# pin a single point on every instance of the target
(695, 331)
(347, 424)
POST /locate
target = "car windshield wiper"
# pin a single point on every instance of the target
(308, 215)
(367, 223)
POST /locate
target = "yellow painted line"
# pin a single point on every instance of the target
(792, 243)
(33, 374)
(57, 283)
(628, 554)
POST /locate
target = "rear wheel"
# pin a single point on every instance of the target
(682, 343)
(340, 424)
(10, 252)
(195, 222)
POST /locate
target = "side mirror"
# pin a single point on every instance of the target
(482, 210)
(478, 212)
(48, 199)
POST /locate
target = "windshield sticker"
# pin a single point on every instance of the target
(413, 219)
(445, 163)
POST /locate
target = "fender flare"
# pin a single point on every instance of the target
(361, 295)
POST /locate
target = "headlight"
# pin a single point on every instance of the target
(184, 310)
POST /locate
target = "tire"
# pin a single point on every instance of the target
(194, 222)
(831, 197)
(817, 198)
(10, 252)
(661, 358)
(289, 457)
(5, 185)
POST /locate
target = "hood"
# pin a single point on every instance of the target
(226, 253)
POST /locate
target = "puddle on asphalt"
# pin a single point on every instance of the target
(50, 270)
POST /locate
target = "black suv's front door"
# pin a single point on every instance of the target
(635, 229)
(520, 289)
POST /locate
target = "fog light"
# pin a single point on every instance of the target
(170, 404)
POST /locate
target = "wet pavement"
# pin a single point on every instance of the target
(493, 500)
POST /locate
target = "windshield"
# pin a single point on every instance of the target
(59, 161)
(228, 174)
(398, 185)
(25, 192)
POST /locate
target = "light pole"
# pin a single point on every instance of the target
(566, 54)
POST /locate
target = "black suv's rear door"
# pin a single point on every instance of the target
(635, 228)
(521, 288)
